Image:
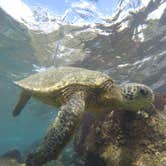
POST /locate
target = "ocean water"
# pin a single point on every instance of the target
(24, 130)
(84, 38)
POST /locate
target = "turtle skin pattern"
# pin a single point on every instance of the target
(60, 131)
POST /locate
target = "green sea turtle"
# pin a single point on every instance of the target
(75, 91)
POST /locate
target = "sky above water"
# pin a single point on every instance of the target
(59, 6)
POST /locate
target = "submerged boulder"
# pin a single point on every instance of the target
(11, 158)
(124, 138)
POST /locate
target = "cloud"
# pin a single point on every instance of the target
(145, 2)
(83, 5)
(17, 9)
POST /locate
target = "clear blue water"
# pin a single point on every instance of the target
(31, 125)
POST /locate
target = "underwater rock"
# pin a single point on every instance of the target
(11, 158)
(13, 153)
(160, 101)
(124, 138)
(9, 162)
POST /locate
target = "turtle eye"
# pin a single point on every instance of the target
(143, 91)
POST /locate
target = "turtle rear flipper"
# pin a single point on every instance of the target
(60, 132)
(24, 97)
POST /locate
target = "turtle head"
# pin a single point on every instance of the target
(136, 96)
(129, 96)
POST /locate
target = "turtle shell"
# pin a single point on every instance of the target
(55, 79)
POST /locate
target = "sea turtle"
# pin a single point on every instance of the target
(75, 91)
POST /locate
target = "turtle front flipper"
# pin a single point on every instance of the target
(24, 97)
(60, 132)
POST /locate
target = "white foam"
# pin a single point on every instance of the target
(123, 65)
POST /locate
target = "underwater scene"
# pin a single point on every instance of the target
(83, 83)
